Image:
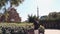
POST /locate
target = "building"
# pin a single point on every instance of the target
(10, 15)
(13, 15)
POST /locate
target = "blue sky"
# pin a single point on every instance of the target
(27, 7)
(45, 7)
(30, 7)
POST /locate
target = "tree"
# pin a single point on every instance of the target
(12, 2)
(2, 3)
(6, 14)
(44, 17)
(53, 16)
(15, 2)
(31, 18)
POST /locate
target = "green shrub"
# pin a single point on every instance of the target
(41, 28)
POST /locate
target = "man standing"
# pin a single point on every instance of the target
(36, 26)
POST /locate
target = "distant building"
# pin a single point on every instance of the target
(13, 16)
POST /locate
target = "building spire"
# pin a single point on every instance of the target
(37, 12)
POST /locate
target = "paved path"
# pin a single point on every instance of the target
(52, 31)
(49, 31)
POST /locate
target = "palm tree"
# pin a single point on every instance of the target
(31, 18)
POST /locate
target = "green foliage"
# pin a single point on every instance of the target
(16, 2)
(41, 28)
(43, 17)
(52, 16)
(12, 2)
(31, 18)
(2, 3)
(23, 26)
(6, 14)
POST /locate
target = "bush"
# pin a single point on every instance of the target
(41, 28)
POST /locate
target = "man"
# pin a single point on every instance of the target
(36, 24)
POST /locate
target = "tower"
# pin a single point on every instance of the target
(37, 12)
